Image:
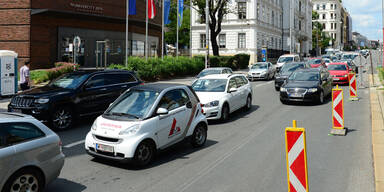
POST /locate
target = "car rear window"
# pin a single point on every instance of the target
(13, 133)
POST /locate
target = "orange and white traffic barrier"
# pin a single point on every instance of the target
(337, 111)
(296, 155)
(352, 86)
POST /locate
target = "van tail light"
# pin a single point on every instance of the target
(202, 110)
(142, 83)
(61, 146)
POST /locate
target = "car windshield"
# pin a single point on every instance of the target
(288, 69)
(209, 72)
(337, 68)
(285, 59)
(69, 81)
(348, 57)
(314, 61)
(260, 66)
(304, 76)
(326, 56)
(209, 85)
(134, 104)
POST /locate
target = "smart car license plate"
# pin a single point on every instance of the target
(104, 148)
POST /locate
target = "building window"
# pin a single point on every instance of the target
(335, 6)
(203, 43)
(300, 25)
(241, 40)
(331, 6)
(331, 25)
(331, 15)
(202, 19)
(324, 26)
(258, 11)
(318, 7)
(273, 18)
(324, 6)
(299, 6)
(335, 26)
(335, 16)
(242, 10)
(323, 16)
(222, 40)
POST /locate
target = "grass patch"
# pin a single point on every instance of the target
(381, 74)
(39, 76)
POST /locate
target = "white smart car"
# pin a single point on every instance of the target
(223, 94)
(147, 118)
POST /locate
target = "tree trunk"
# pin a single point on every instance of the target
(215, 46)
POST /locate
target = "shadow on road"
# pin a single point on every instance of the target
(178, 151)
(64, 185)
(239, 114)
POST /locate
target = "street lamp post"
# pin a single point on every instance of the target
(206, 32)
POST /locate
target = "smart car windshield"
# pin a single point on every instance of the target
(209, 72)
(337, 68)
(133, 104)
(285, 59)
(260, 66)
(304, 76)
(209, 85)
(69, 81)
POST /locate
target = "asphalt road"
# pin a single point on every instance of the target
(245, 154)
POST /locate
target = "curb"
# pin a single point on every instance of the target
(377, 106)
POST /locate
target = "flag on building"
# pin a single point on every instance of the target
(151, 9)
(167, 8)
(180, 14)
(132, 7)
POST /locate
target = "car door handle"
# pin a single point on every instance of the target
(124, 86)
(103, 89)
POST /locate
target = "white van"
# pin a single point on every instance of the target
(288, 58)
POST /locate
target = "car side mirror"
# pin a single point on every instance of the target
(87, 86)
(232, 90)
(189, 105)
(110, 104)
(162, 111)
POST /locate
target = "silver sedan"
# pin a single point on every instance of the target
(263, 70)
(30, 154)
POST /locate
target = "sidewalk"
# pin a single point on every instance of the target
(377, 106)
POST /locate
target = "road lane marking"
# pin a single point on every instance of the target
(74, 144)
(259, 85)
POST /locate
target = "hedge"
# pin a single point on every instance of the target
(239, 61)
(43, 75)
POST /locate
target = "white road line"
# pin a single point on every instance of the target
(74, 144)
(259, 85)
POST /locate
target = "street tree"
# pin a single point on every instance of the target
(318, 35)
(218, 9)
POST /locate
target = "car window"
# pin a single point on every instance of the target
(13, 133)
(245, 80)
(118, 78)
(232, 83)
(174, 99)
(239, 82)
(96, 81)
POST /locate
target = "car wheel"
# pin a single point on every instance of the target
(144, 153)
(199, 136)
(283, 102)
(25, 180)
(248, 104)
(62, 118)
(277, 88)
(225, 112)
(321, 98)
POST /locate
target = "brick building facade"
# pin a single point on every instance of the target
(42, 31)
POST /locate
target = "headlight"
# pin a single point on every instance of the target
(41, 100)
(212, 104)
(130, 130)
(345, 75)
(264, 72)
(282, 89)
(94, 126)
(312, 90)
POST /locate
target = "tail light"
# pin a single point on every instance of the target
(61, 146)
(142, 83)
(202, 110)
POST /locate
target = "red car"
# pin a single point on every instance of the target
(339, 72)
(316, 62)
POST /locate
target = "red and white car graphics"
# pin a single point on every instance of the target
(147, 118)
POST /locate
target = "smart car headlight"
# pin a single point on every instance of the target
(312, 90)
(42, 100)
(130, 130)
(212, 104)
(282, 89)
(94, 126)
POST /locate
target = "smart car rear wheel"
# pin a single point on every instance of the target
(144, 153)
(25, 180)
(199, 136)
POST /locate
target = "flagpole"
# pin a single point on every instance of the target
(162, 32)
(146, 30)
(177, 30)
(190, 29)
(126, 35)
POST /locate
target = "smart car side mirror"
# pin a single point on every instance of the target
(189, 105)
(162, 111)
(232, 90)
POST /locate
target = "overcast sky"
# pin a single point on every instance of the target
(366, 17)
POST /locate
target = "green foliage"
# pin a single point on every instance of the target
(381, 74)
(40, 76)
(184, 29)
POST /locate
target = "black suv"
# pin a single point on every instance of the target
(74, 95)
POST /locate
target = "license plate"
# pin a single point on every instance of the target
(16, 110)
(296, 95)
(336, 79)
(104, 148)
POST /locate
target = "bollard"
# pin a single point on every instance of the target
(296, 157)
(338, 112)
(352, 87)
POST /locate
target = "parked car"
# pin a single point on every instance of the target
(307, 85)
(214, 70)
(145, 119)
(334, 58)
(286, 71)
(350, 55)
(73, 95)
(223, 94)
(339, 72)
(30, 154)
(316, 62)
(288, 58)
(262, 70)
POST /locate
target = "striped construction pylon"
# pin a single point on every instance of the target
(296, 156)
(337, 112)
(352, 86)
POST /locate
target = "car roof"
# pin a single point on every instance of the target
(338, 63)
(315, 58)
(220, 76)
(99, 71)
(5, 116)
(216, 68)
(309, 70)
(289, 55)
(158, 87)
